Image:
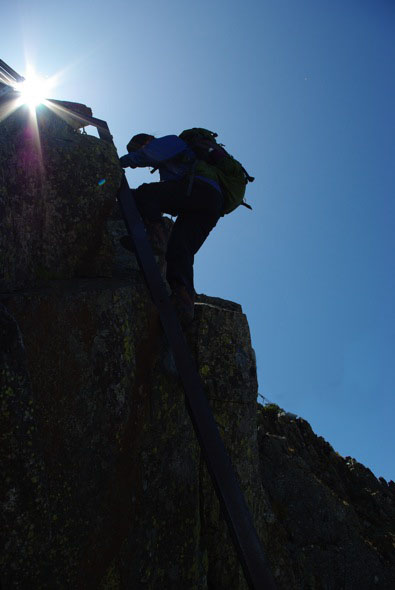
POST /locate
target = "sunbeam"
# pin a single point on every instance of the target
(71, 117)
(7, 107)
(34, 89)
(30, 90)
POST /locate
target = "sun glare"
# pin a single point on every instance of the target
(33, 90)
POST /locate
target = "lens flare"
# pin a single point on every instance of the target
(33, 90)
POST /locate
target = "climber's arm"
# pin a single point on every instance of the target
(135, 159)
(156, 152)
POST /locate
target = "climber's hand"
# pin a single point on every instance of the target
(125, 162)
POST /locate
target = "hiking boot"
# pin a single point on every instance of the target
(184, 304)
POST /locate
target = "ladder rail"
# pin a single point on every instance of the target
(227, 488)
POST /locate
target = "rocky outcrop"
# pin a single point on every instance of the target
(57, 189)
(122, 489)
(104, 486)
(333, 517)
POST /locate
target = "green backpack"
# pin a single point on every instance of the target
(232, 177)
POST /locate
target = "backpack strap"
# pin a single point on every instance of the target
(248, 177)
(191, 178)
(246, 205)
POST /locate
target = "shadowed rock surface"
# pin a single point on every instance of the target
(103, 482)
(334, 519)
(53, 211)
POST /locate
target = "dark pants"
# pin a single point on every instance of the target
(197, 214)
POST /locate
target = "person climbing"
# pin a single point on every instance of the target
(193, 188)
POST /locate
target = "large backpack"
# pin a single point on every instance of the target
(233, 178)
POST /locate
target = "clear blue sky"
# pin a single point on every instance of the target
(303, 94)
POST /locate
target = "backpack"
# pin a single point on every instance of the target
(233, 178)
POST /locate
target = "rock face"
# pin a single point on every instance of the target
(103, 483)
(53, 211)
(334, 520)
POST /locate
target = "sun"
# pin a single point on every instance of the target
(33, 90)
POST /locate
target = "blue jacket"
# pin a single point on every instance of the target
(162, 153)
